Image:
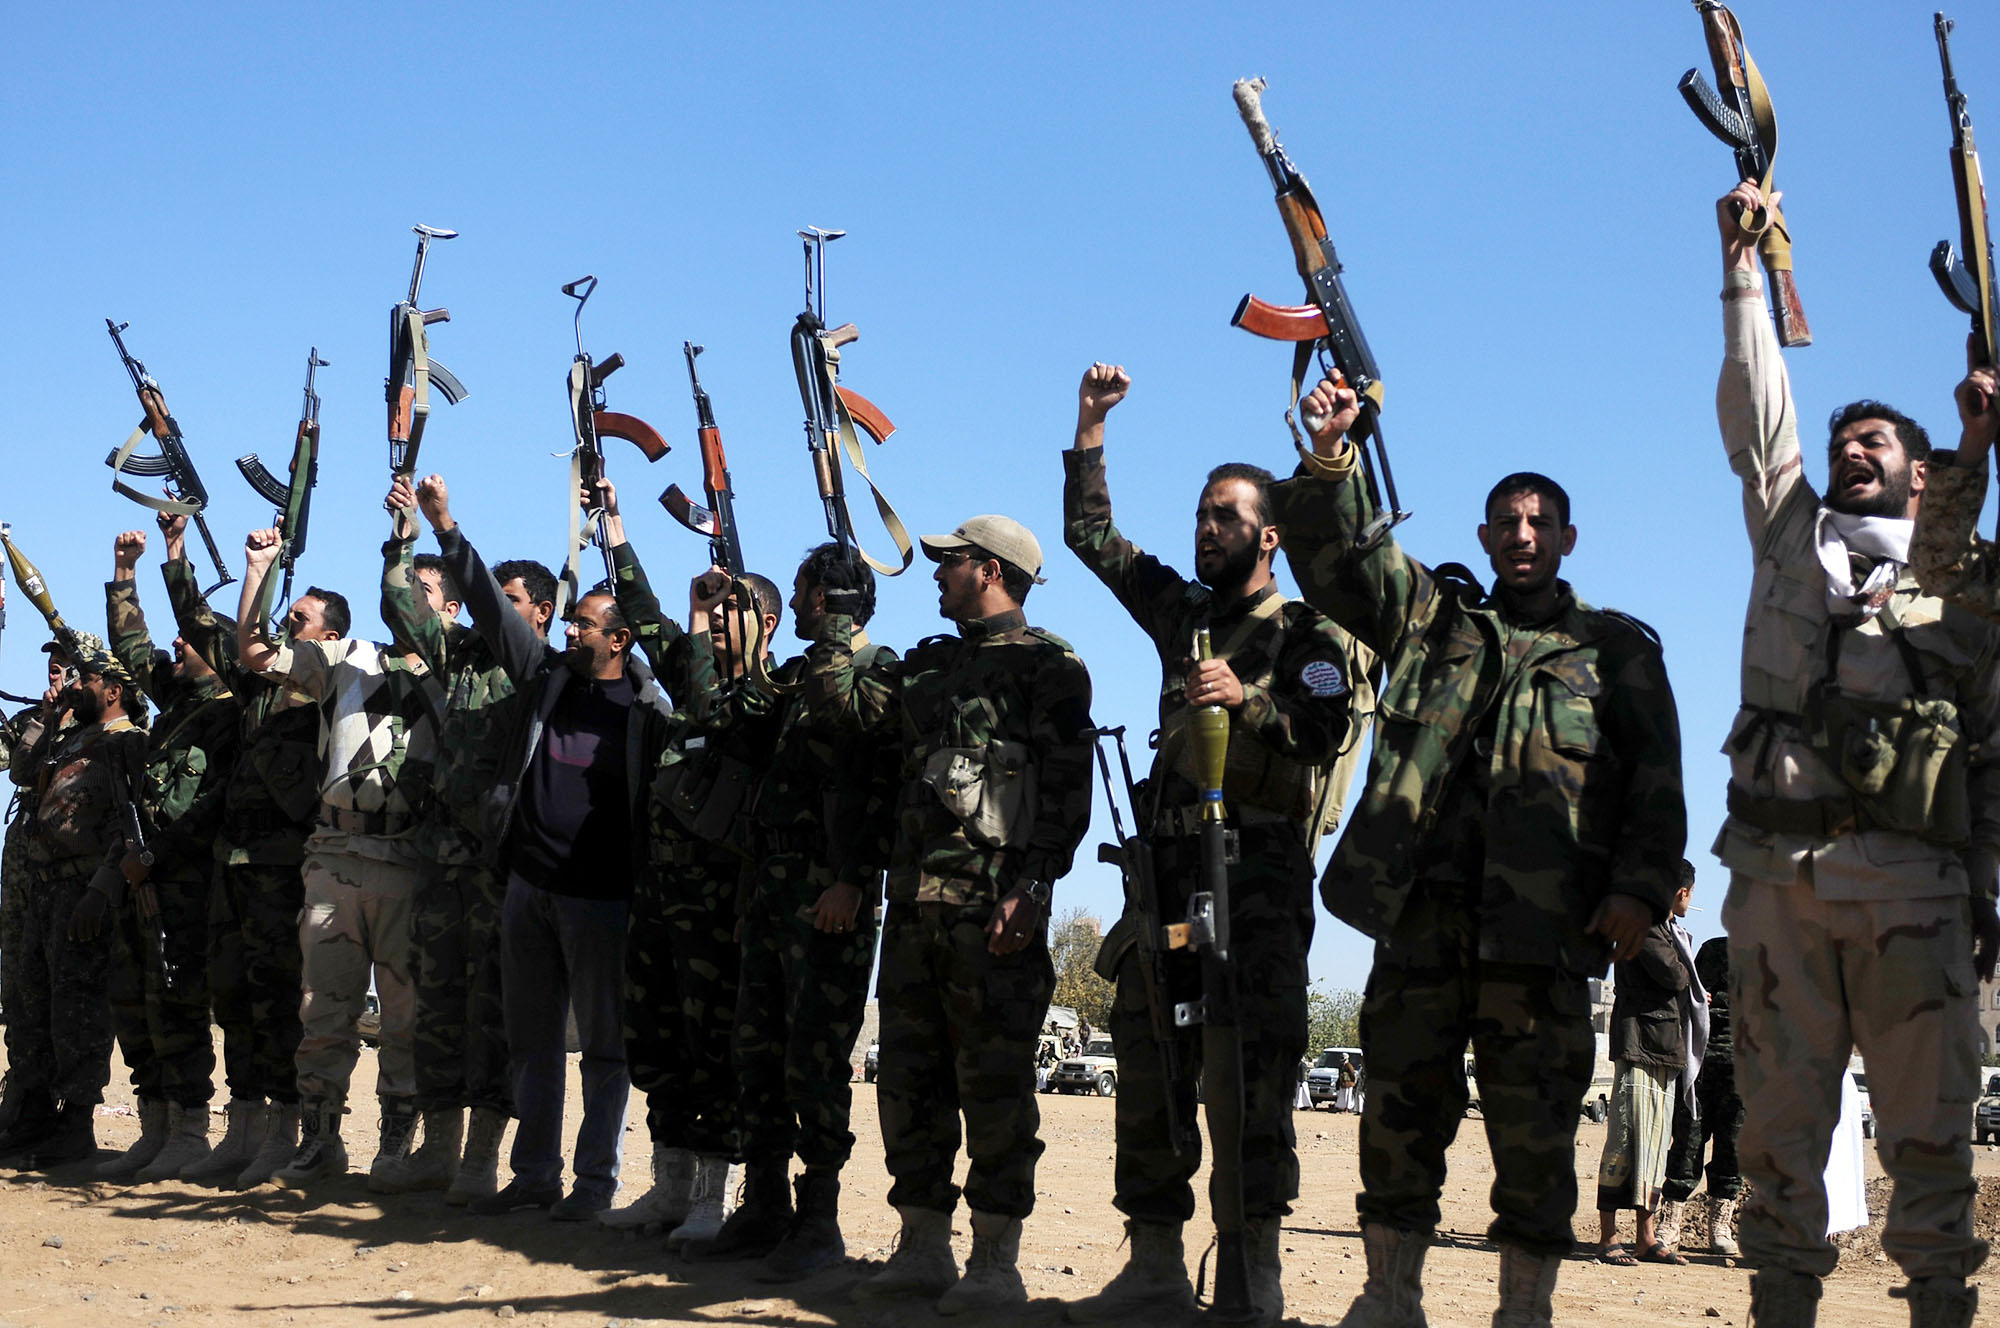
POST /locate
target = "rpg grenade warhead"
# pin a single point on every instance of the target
(1209, 728)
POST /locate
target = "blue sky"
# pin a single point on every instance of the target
(1523, 202)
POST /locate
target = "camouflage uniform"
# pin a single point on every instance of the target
(13, 857)
(267, 810)
(824, 815)
(1844, 931)
(164, 1033)
(1294, 720)
(1719, 1117)
(1520, 772)
(960, 1024)
(460, 1034)
(59, 1038)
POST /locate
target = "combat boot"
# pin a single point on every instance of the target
(13, 1098)
(1263, 1238)
(479, 1168)
(1780, 1298)
(814, 1241)
(187, 1143)
(1667, 1232)
(1153, 1280)
(715, 1181)
(762, 1216)
(321, 1155)
(281, 1142)
(1393, 1295)
(34, 1118)
(392, 1156)
(992, 1280)
(663, 1207)
(435, 1163)
(152, 1138)
(921, 1263)
(1527, 1288)
(73, 1138)
(248, 1120)
(1939, 1302)
(1722, 1229)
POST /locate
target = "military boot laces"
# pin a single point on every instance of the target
(1527, 1288)
(920, 1264)
(666, 1205)
(992, 1278)
(321, 1155)
(1153, 1280)
(433, 1165)
(1668, 1232)
(187, 1144)
(281, 1144)
(398, 1126)
(479, 1166)
(248, 1120)
(1722, 1229)
(761, 1218)
(813, 1241)
(1780, 1298)
(1393, 1295)
(1939, 1302)
(715, 1180)
(152, 1138)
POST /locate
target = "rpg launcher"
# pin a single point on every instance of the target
(834, 413)
(1326, 325)
(292, 499)
(29, 578)
(1966, 275)
(186, 494)
(591, 423)
(1737, 110)
(412, 371)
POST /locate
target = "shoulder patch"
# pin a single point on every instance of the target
(1323, 677)
(1638, 625)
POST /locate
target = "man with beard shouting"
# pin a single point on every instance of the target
(1863, 831)
(1282, 672)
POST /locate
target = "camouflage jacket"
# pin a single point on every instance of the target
(1293, 663)
(1583, 779)
(193, 745)
(273, 785)
(998, 681)
(1789, 629)
(478, 713)
(1949, 557)
(77, 822)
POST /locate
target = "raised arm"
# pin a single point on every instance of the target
(413, 626)
(1753, 399)
(514, 643)
(1946, 553)
(199, 627)
(125, 621)
(667, 648)
(260, 550)
(841, 694)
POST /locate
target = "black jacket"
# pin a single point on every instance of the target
(1646, 1013)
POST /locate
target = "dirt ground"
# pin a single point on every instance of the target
(77, 1253)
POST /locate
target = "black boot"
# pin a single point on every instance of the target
(34, 1120)
(73, 1138)
(760, 1221)
(814, 1241)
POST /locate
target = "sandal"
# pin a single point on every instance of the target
(1616, 1253)
(1662, 1254)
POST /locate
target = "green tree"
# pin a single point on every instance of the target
(1333, 1018)
(1073, 943)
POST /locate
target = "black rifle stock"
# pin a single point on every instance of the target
(293, 498)
(186, 494)
(412, 371)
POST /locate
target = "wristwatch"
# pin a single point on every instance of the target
(1035, 889)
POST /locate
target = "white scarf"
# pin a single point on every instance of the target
(1838, 534)
(1694, 1017)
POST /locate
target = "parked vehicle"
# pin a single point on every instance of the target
(1323, 1079)
(1095, 1071)
(1986, 1116)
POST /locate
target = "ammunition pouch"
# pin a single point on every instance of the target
(705, 793)
(990, 789)
(1906, 762)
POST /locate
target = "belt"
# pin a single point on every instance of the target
(1176, 822)
(1817, 818)
(362, 823)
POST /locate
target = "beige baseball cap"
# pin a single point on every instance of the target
(1002, 536)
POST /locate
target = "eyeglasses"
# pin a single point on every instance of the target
(953, 557)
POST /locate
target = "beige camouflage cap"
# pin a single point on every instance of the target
(1002, 536)
(92, 644)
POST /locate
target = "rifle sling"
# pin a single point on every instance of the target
(850, 443)
(171, 506)
(1774, 242)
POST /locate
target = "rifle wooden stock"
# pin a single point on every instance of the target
(1785, 306)
(866, 413)
(1279, 322)
(158, 422)
(611, 424)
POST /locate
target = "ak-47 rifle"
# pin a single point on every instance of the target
(1221, 1036)
(1133, 856)
(186, 495)
(591, 422)
(833, 413)
(1966, 276)
(293, 499)
(412, 371)
(1741, 116)
(1327, 325)
(127, 754)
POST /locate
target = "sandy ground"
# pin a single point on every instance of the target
(77, 1253)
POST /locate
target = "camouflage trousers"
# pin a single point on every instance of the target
(460, 1035)
(13, 912)
(163, 1034)
(59, 1037)
(254, 964)
(356, 922)
(695, 913)
(1720, 1122)
(959, 1031)
(1428, 996)
(1811, 980)
(799, 1005)
(1269, 891)
(656, 1043)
